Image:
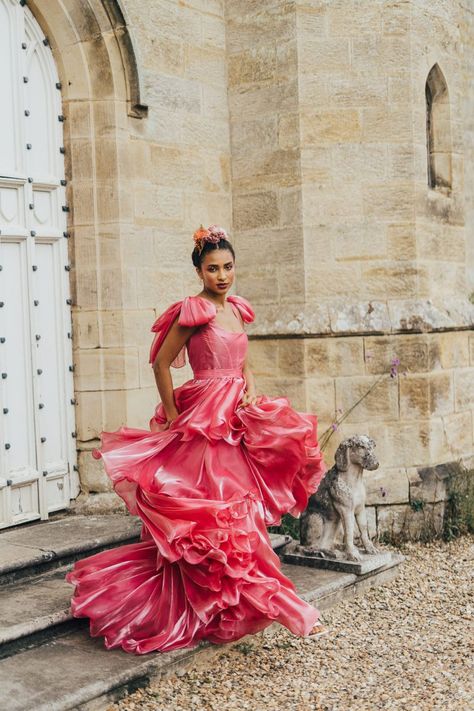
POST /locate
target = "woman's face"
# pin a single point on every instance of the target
(217, 271)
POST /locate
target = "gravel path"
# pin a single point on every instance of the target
(405, 645)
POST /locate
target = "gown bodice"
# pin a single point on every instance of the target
(211, 348)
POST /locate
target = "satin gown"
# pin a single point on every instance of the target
(205, 489)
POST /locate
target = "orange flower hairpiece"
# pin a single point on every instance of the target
(213, 234)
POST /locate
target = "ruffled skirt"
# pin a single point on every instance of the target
(205, 489)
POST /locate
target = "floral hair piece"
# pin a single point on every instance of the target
(213, 234)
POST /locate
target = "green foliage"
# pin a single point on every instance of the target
(459, 510)
(289, 525)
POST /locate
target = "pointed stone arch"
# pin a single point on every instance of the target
(438, 131)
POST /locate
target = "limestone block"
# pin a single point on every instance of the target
(416, 443)
(458, 432)
(173, 93)
(389, 54)
(414, 397)
(92, 474)
(115, 410)
(471, 349)
(163, 205)
(331, 55)
(118, 288)
(206, 64)
(395, 20)
(138, 248)
(412, 350)
(109, 247)
(453, 349)
(292, 388)
(352, 160)
(339, 280)
(156, 284)
(401, 240)
(464, 389)
(88, 370)
(252, 66)
(284, 244)
(258, 132)
(392, 280)
(106, 158)
(83, 202)
(291, 357)
(259, 285)
(441, 393)
(98, 504)
(429, 484)
(213, 23)
(400, 163)
(364, 91)
(444, 242)
(164, 57)
(347, 317)
(319, 243)
(388, 202)
(376, 124)
(255, 210)
(115, 203)
(321, 399)
(82, 158)
(290, 209)
(334, 357)
(263, 357)
(86, 329)
(266, 99)
(208, 208)
(126, 328)
(79, 115)
(330, 126)
(207, 132)
(120, 368)
(399, 519)
(381, 403)
(249, 28)
(359, 242)
(386, 486)
(214, 102)
(141, 406)
(89, 415)
(423, 395)
(84, 288)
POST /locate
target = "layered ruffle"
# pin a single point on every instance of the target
(203, 570)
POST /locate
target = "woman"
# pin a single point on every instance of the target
(219, 464)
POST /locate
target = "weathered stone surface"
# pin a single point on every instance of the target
(386, 486)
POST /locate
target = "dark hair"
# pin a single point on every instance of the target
(210, 247)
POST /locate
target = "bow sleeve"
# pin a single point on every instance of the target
(192, 311)
(244, 307)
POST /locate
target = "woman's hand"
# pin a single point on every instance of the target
(249, 398)
(170, 417)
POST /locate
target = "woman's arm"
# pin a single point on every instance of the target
(172, 344)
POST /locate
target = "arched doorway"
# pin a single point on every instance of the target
(37, 433)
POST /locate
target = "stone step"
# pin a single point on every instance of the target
(74, 671)
(33, 548)
(33, 607)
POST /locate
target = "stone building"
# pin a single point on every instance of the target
(334, 139)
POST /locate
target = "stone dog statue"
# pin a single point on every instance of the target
(339, 500)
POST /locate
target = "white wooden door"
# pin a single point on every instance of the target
(37, 438)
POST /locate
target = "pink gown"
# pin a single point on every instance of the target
(205, 489)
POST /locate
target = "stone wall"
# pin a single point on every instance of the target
(300, 126)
